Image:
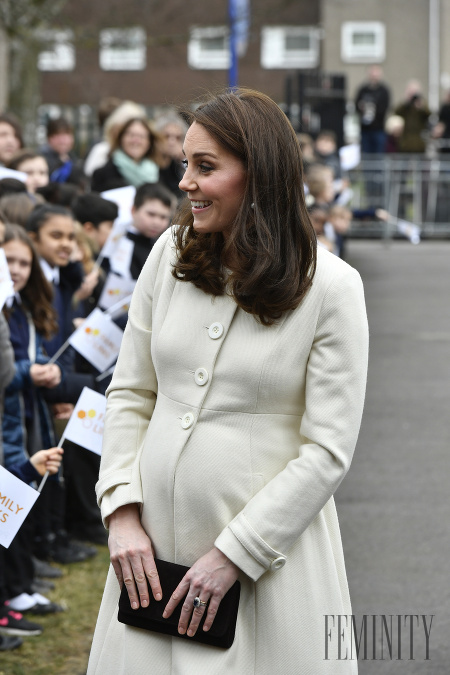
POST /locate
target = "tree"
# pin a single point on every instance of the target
(20, 24)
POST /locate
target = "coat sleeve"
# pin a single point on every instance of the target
(7, 368)
(260, 536)
(131, 398)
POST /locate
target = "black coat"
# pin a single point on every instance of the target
(108, 177)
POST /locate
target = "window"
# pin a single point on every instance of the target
(123, 49)
(289, 47)
(209, 48)
(363, 42)
(59, 51)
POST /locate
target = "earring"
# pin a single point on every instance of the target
(252, 205)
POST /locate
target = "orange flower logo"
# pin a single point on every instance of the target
(82, 414)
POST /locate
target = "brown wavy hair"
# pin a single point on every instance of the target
(37, 294)
(271, 249)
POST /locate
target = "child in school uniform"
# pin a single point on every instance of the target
(52, 229)
(96, 216)
(26, 424)
(151, 213)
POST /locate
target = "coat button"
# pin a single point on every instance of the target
(215, 330)
(278, 563)
(201, 376)
(187, 420)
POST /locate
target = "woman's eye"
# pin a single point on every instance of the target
(184, 163)
(204, 168)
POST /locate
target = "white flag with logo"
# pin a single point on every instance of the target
(115, 289)
(98, 339)
(6, 284)
(16, 501)
(120, 259)
(124, 198)
(117, 232)
(85, 426)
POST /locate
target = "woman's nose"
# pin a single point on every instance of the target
(187, 183)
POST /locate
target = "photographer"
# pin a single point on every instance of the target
(415, 112)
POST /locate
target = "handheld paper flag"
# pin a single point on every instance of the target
(98, 340)
(115, 289)
(116, 234)
(85, 426)
(124, 198)
(16, 500)
(120, 259)
(11, 173)
(6, 284)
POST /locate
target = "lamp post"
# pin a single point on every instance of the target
(239, 19)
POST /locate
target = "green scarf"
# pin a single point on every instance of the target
(135, 173)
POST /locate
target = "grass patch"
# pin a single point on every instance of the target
(63, 648)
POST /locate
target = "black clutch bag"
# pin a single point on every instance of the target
(221, 633)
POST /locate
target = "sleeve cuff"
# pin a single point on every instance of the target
(118, 496)
(243, 546)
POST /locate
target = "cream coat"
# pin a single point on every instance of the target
(274, 423)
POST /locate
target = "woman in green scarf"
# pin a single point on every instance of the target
(133, 158)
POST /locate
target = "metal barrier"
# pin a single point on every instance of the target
(411, 187)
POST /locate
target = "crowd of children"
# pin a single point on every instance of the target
(52, 233)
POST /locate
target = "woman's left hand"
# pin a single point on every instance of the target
(208, 579)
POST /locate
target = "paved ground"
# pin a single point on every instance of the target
(394, 505)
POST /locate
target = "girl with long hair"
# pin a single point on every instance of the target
(27, 424)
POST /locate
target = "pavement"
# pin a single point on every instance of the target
(394, 504)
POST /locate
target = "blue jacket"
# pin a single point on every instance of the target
(14, 429)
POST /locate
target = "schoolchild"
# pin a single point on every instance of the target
(7, 642)
(27, 424)
(151, 213)
(52, 229)
(96, 216)
(34, 166)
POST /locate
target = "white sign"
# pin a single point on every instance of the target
(350, 156)
(124, 198)
(115, 289)
(85, 426)
(120, 260)
(114, 237)
(16, 501)
(10, 173)
(6, 284)
(98, 339)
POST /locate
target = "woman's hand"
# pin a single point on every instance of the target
(132, 555)
(208, 579)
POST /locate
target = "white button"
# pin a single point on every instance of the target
(201, 376)
(215, 331)
(187, 420)
(278, 563)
